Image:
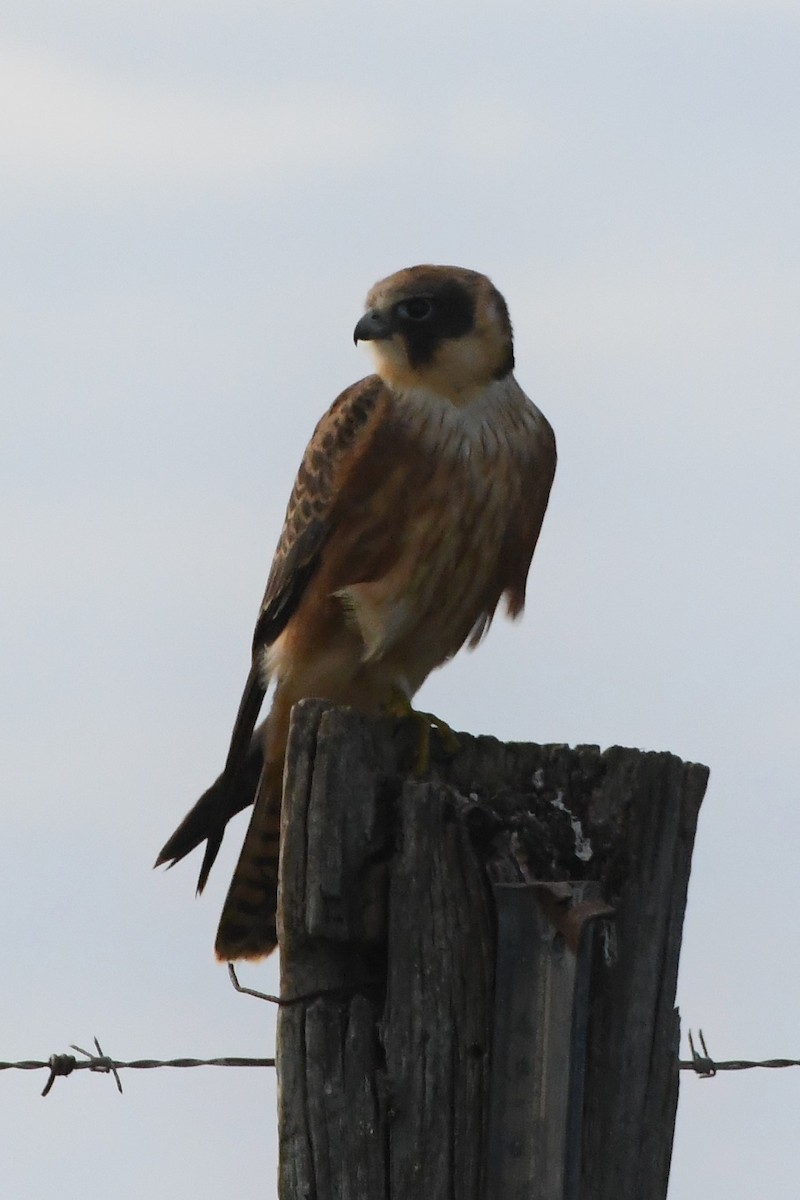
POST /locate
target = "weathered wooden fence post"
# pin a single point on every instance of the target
(414, 917)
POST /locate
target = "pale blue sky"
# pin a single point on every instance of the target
(194, 200)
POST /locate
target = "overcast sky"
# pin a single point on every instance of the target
(195, 198)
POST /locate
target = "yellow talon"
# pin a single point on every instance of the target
(399, 706)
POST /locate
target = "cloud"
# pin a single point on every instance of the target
(87, 133)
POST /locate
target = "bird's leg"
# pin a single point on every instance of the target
(399, 706)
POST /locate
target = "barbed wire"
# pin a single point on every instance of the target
(61, 1065)
(707, 1067)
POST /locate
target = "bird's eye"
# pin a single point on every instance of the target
(417, 308)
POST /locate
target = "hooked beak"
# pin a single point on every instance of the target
(372, 327)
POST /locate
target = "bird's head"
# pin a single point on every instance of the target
(444, 329)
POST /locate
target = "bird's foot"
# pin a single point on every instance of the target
(399, 706)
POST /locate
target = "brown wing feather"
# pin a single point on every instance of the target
(307, 524)
(305, 530)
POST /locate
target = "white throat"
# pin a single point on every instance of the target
(488, 423)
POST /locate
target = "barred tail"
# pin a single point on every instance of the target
(247, 925)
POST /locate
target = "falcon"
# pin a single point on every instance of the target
(416, 509)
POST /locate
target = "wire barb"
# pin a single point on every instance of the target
(701, 1063)
(101, 1063)
(60, 1064)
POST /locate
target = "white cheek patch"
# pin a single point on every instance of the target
(388, 354)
